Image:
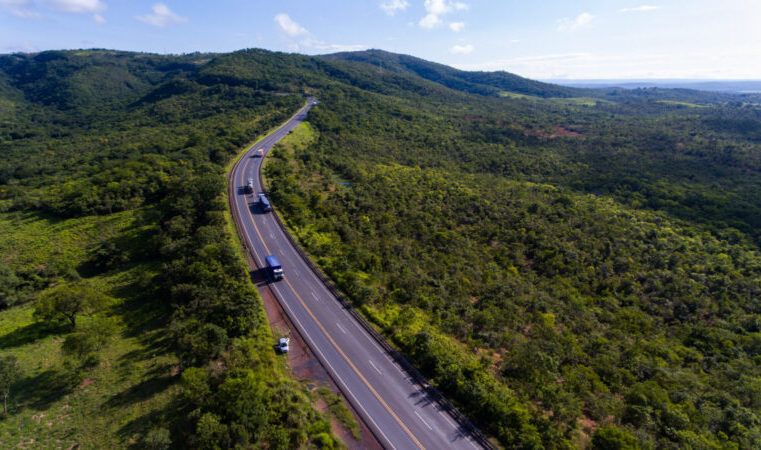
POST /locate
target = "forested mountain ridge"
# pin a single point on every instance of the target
(484, 83)
(572, 268)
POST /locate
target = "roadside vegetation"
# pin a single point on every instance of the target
(124, 305)
(571, 267)
(570, 276)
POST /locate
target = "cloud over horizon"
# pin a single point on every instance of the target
(161, 16)
(462, 49)
(288, 26)
(437, 8)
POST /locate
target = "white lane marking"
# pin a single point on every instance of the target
(341, 328)
(375, 367)
(346, 389)
(272, 235)
(446, 417)
(316, 297)
(422, 420)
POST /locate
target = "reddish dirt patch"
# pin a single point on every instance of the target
(86, 382)
(551, 133)
(556, 132)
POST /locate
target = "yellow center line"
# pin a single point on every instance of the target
(359, 374)
(325, 331)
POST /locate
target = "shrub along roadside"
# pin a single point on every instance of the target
(232, 390)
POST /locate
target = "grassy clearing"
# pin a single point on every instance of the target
(576, 101)
(34, 239)
(116, 400)
(682, 104)
(299, 138)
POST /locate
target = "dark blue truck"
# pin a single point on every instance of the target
(274, 267)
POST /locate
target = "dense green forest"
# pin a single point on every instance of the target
(135, 322)
(571, 267)
(570, 274)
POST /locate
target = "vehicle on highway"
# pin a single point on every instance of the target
(259, 153)
(274, 267)
(265, 204)
(249, 189)
(282, 344)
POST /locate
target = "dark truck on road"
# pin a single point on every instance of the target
(274, 267)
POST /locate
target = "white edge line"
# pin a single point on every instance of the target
(335, 372)
(422, 420)
(375, 367)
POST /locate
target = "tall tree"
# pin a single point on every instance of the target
(68, 301)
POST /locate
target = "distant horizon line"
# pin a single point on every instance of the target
(553, 80)
(699, 80)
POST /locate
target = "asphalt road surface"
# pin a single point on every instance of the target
(399, 412)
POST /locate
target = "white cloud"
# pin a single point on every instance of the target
(643, 8)
(290, 27)
(429, 21)
(391, 7)
(77, 6)
(461, 49)
(567, 24)
(20, 8)
(100, 20)
(437, 8)
(324, 46)
(161, 16)
(457, 26)
(25, 9)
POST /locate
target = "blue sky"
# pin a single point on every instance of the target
(539, 39)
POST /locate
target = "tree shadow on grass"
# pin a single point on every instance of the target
(138, 427)
(142, 391)
(31, 333)
(40, 391)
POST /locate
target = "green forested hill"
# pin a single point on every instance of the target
(573, 268)
(484, 83)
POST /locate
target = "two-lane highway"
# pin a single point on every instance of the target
(399, 412)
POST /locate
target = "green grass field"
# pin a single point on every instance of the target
(577, 101)
(683, 104)
(124, 393)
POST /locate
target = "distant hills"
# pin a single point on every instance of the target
(733, 86)
(484, 83)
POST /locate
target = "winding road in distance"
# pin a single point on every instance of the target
(398, 411)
